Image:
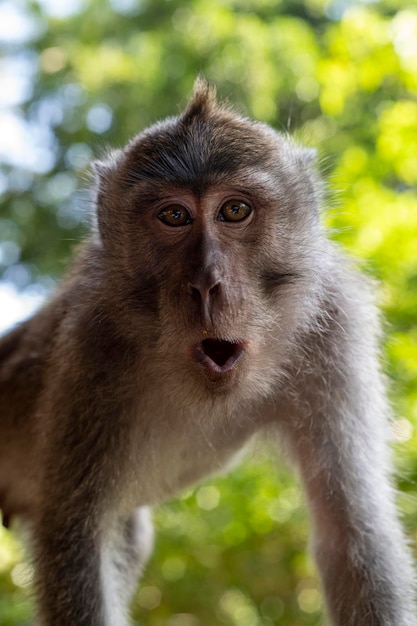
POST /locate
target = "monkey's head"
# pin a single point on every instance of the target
(208, 224)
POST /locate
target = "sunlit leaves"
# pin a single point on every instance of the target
(397, 140)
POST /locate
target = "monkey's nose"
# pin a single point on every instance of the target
(205, 293)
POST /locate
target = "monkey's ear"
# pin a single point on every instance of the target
(103, 172)
(104, 169)
(203, 101)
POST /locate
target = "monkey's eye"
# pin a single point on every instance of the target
(175, 215)
(234, 211)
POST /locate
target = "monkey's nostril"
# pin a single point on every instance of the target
(215, 290)
(204, 293)
(195, 292)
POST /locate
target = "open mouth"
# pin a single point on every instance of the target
(218, 355)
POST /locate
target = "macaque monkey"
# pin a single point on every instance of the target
(207, 306)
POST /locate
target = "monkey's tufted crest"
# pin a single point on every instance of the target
(203, 101)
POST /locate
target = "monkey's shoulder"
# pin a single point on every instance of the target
(22, 350)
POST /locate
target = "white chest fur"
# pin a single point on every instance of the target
(174, 448)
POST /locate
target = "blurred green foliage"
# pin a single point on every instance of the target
(342, 76)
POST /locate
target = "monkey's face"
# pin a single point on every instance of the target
(201, 249)
(208, 222)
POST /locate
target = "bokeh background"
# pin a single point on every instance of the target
(77, 76)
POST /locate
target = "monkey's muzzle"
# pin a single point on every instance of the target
(218, 356)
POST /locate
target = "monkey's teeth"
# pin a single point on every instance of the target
(218, 355)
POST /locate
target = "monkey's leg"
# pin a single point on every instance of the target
(126, 552)
(87, 572)
(338, 436)
(88, 557)
(85, 561)
(86, 550)
(68, 577)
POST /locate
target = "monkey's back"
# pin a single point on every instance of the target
(23, 358)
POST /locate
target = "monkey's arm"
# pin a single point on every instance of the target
(87, 571)
(338, 430)
(78, 517)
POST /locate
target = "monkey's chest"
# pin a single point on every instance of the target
(174, 451)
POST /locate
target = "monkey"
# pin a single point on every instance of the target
(208, 307)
